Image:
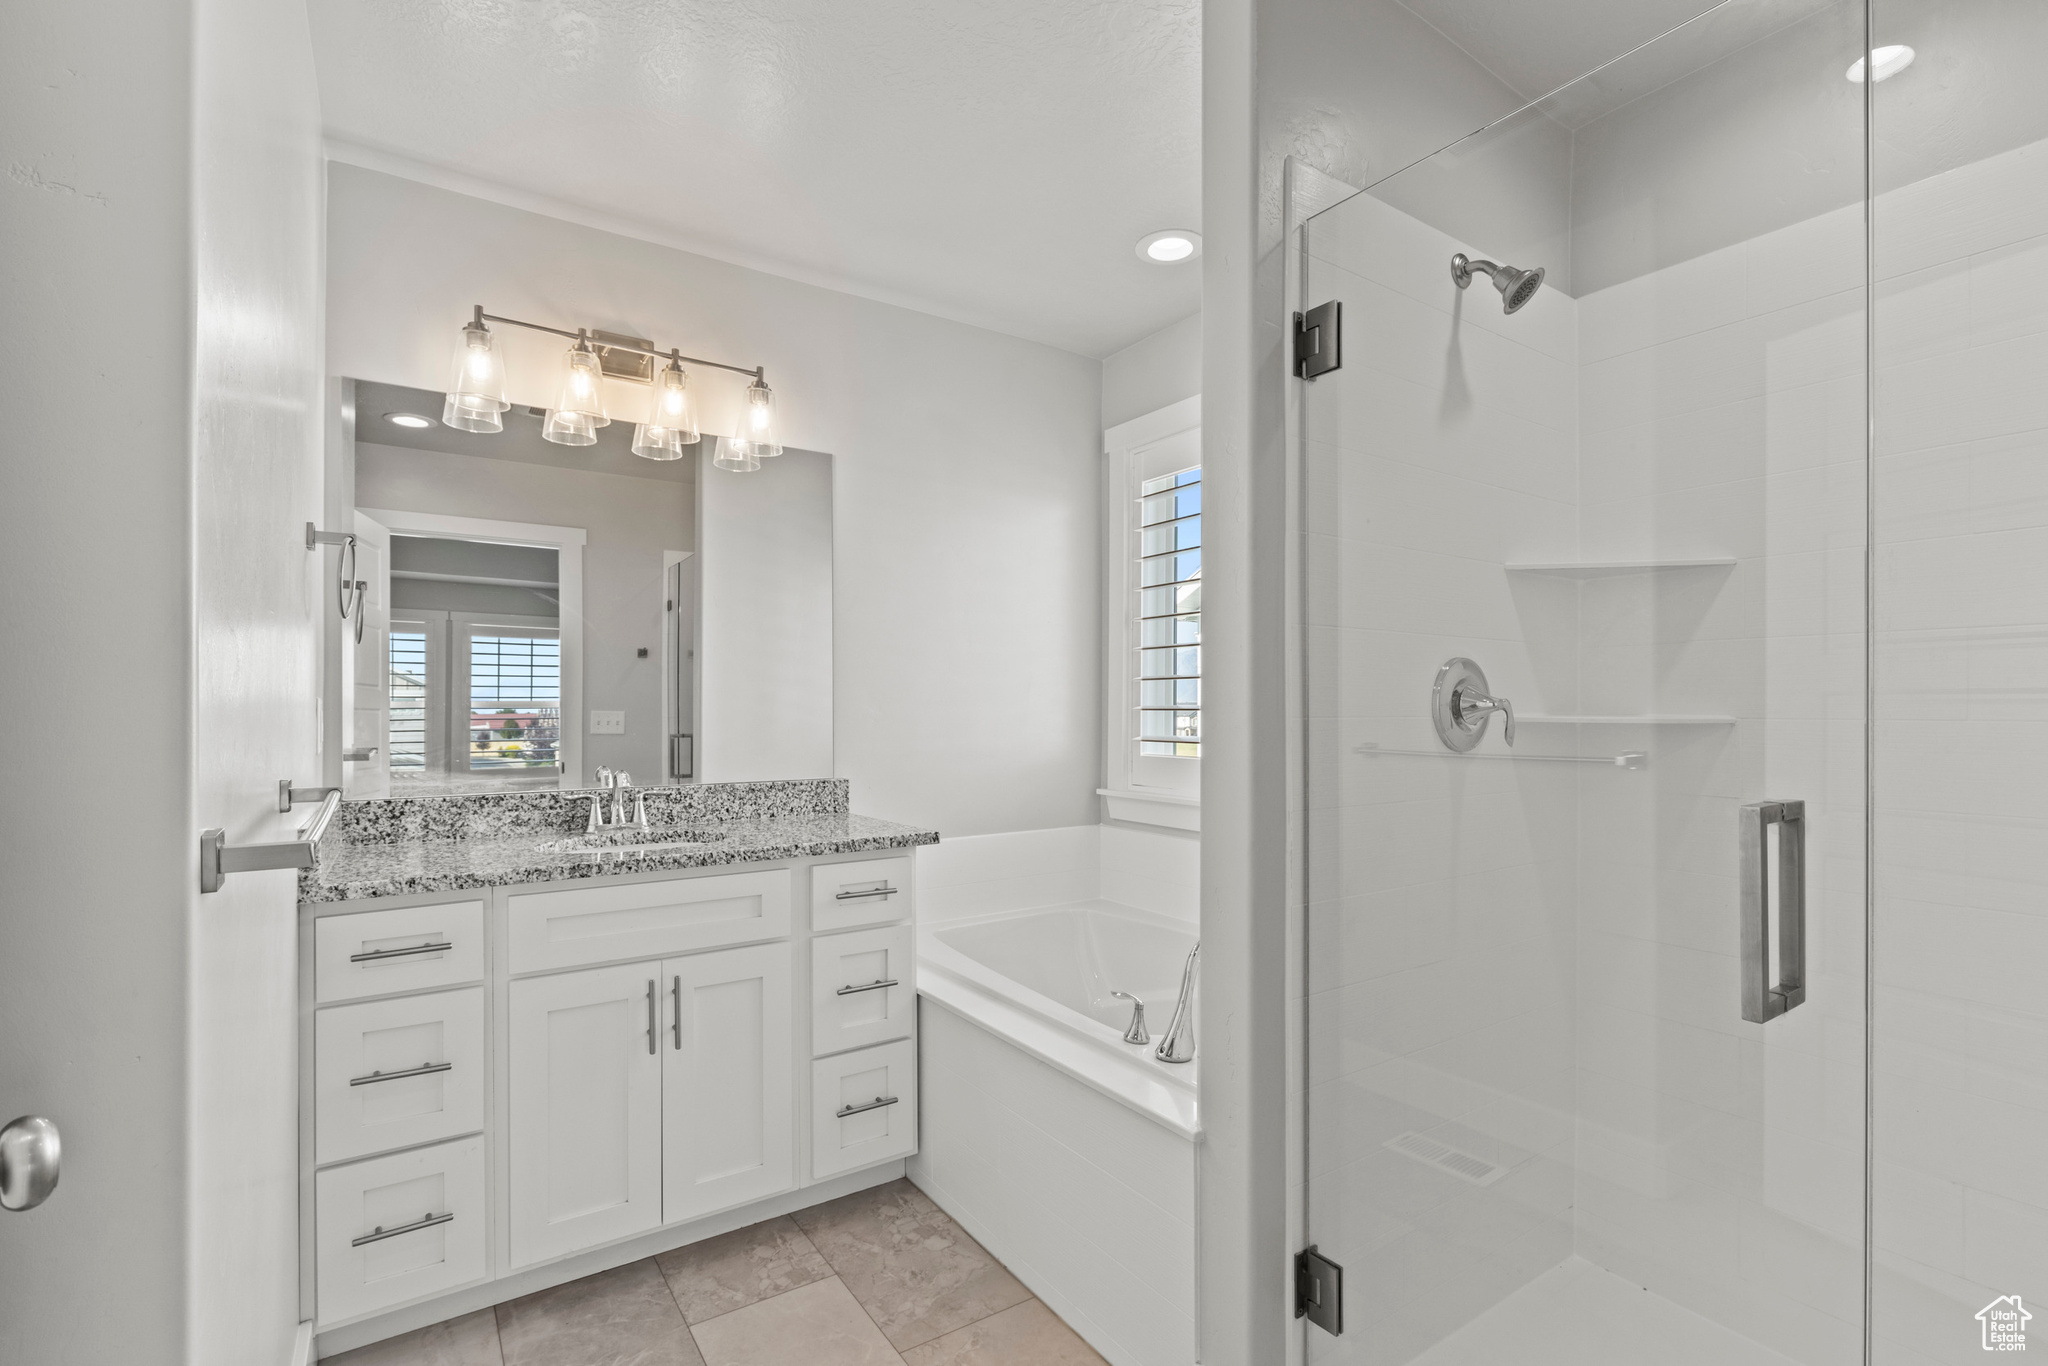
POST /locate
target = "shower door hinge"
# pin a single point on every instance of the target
(1319, 340)
(1319, 1291)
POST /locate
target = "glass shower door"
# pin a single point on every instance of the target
(1582, 556)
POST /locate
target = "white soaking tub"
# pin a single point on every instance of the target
(1067, 1152)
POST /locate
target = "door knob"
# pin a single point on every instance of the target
(30, 1151)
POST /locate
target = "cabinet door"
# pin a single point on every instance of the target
(861, 988)
(728, 1080)
(585, 1078)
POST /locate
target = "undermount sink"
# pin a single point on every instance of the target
(633, 836)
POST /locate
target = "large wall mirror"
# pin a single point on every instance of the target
(525, 614)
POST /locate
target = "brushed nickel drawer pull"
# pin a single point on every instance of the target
(380, 1233)
(377, 955)
(422, 1070)
(870, 986)
(877, 1103)
(883, 890)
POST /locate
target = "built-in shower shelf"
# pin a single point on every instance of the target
(1669, 720)
(1589, 569)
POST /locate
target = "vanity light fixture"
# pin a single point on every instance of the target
(1885, 63)
(476, 398)
(1165, 248)
(408, 420)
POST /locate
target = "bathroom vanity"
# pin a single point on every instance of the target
(530, 1051)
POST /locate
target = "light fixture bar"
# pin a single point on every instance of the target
(759, 372)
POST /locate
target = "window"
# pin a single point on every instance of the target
(515, 698)
(408, 697)
(1152, 618)
(1170, 615)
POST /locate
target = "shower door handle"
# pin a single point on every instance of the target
(1763, 999)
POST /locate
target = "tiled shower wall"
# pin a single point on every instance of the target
(1962, 749)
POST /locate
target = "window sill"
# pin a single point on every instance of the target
(1152, 808)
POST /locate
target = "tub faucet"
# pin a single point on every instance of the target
(1179, 1043)
(1137, 1033)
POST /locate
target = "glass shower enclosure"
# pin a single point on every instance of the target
(1670, 556)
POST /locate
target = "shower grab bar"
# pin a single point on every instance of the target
(1628, 758)
(1761, 998)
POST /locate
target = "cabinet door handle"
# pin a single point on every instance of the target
(380, 1233)
(877, 1103)
(652, 1029)
(375, 955)
(870, 986)
(422, 1070)
(884, 890)
(678, 990)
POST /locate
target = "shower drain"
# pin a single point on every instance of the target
(1444, 1157)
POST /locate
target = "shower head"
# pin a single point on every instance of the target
(1516, 286)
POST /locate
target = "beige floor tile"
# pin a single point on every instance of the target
(740, 1268)
(1026, 1335)
(819, 1324)
(914, 1270)
(622, 1317)
(471, 1340)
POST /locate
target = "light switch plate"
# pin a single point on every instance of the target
(607, 723)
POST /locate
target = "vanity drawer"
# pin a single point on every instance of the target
(389, 1074)
(396, 1228)
(848, 1128)
(411, 948)
(618, 921)
(868, 892)
(849, 1006)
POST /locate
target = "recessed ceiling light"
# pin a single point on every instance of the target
(1164, 248)
(408, 420)
(1887, 61)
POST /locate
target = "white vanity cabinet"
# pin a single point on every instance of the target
(552, 1070)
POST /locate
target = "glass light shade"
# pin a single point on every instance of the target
(651, 442)
(671, 417)
(757, 424)
(735, 455)
(583, 386)
(479, 380)
(568, 429)
(455, 415)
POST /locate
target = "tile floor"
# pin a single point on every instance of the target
(879, 1278)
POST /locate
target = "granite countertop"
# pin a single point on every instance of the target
(378, 851)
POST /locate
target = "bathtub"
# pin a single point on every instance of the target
(1043, 978)
(1065, 1151)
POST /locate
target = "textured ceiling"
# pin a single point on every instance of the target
(994, 163)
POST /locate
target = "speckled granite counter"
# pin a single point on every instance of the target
(436, 844)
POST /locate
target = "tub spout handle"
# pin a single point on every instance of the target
(1179, 1043)
(1137, 1033)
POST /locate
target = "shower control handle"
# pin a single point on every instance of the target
(1474, 707)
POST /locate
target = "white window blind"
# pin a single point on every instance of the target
(515, 698)
(1170, 615)
(408, 737)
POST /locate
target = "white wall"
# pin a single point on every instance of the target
(629, 523)
(965, 467)
(165, 185)
(1153, 372)
(1147, 867)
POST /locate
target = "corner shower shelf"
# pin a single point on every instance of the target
(1629, 758)
(1588, 569)
(1626, 720)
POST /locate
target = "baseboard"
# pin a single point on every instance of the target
(302, 1345)
(348, 1336)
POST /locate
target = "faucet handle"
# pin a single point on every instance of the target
(1137, 1033)
(596, 821)
(605, 777)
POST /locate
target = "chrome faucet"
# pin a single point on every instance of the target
(622, 783)
(1137, 1033)
(1179, 1043)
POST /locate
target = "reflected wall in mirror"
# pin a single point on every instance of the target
(532, 613)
